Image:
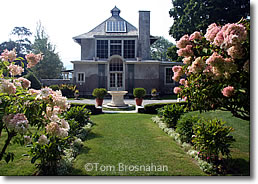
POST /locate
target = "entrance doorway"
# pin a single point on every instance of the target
(116, 74)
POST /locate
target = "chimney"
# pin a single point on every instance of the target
(144, 35)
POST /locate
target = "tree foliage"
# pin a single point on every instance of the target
(159, 49)
(192, 15)
(172, 54)
(20, 41)
(50, 67)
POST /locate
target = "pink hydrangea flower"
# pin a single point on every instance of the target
(195, 36)
(187, 60)
(53, 129)
(198, 65)
(234, 34)
(177, 90)
(33, 59)
(228, 91)
(43, 140)
(211, 32)
(7, 87)
(24, 82)
(176, 77)
(17, 122)
(182, 81)
(236, 52)
(8, 55)
(15, 69)
(215, 60)
(183, 42)
(185, 52)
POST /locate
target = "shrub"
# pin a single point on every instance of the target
(170, 114)
(90, 107)
(67, 90)
(54, 87)
(185, 127)
(35, 83)
(79, 114)
(152, 108)
(99, 93)
(212, 138)
(139, 92)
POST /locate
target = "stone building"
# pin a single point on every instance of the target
(116, 55)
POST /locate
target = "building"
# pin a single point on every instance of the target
(116, 55)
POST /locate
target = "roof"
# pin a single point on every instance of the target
(100, 30)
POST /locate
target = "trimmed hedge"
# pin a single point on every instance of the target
(91, 107)
(152, 108)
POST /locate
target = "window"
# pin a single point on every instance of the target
(102, 48)
(129, 48)
(115, 26)
(80, 77)
(115, 47)
(168, 75)
(116, 65)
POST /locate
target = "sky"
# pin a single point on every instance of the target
(64, 19)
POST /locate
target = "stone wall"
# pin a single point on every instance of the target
(87, 49)
(49, 82)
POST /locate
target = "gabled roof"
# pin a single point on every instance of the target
(100, 30)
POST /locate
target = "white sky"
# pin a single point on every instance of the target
(65, 19)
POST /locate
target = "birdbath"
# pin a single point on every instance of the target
(117, 99)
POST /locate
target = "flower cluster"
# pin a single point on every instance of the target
(33, 59)
(178, 72)
(7, 87)
(8, 55)
(228, 91)
(15, 69)
(17, 122)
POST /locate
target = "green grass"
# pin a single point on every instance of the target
(240, 149)
(21, 165)
(132, 139)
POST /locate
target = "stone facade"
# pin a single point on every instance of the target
(116, 55)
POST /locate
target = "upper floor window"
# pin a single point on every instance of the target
(115, 47)
(102, 48)
(106, 48)
(129, 48)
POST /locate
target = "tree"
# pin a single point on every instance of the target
(23, 44)
(192, 15)
(159, 49)
(172, 54)
(20, 43)
(50, 67)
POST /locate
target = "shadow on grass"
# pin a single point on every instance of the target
(93, 135)
(238, 167)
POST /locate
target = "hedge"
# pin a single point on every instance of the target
(152, 108)
(91, 107)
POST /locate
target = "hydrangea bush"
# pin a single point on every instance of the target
(216, 69)
(22, 108)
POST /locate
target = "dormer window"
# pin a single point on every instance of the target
(116, 27)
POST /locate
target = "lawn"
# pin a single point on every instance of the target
(133, 140)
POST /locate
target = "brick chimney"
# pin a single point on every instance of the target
(144, 35)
